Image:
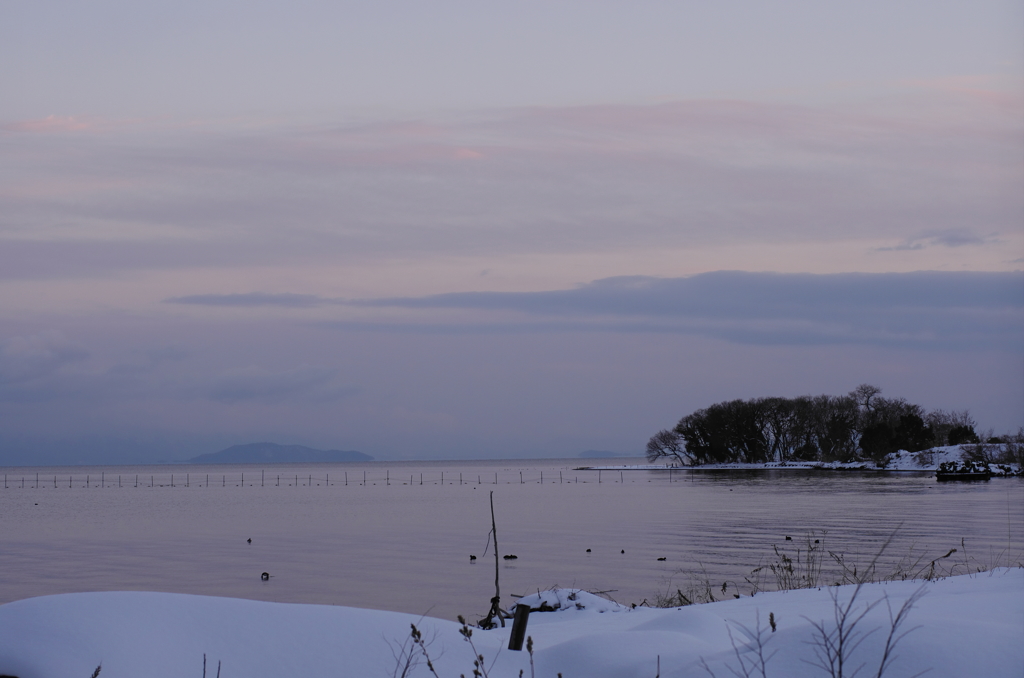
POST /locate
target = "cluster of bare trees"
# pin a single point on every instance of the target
(859, 425)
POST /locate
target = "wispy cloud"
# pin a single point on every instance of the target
(925, 309)
(253, 299)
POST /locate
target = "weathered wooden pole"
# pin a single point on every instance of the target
(515, 640)
(496, 601)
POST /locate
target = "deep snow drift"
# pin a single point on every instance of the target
(970, 625)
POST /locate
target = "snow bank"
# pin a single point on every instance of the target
(963, 626)
(926, 460)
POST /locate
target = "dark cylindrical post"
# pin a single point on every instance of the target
(261, 477)
(599, 477)
(310, 480)
(243, 480)
(172, 480)
(460, 479)
(186, 479)
(37, 481)
(103, 479)
(495, 478)
(364, 478)
(515, 641)
(559, 477)
(86, 481)
(520, 477)
(136, 480)
(346, 478)
(442, 477)
(542, 477)
(421, 479)
(119, 481)
(387, 476)
(620, 477)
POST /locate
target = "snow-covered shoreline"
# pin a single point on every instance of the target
(959, 626)
(928, 460)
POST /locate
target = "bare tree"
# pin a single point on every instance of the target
(667, 444)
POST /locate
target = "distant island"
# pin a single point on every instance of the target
(272, 453)
(601, 454)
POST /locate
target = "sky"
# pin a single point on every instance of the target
(487, 230)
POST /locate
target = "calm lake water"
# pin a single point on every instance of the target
(402, 541)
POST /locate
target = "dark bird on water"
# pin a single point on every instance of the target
(789, 538)
(265, 576)
(622, 551)
(662, 558)
(588, 550)
(510, 557)
(472, 558)
(249, 540)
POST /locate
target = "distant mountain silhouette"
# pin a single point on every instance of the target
(272, 453)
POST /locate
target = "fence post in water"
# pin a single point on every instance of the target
(421, 479)
(54, 482)
(261, 477)
(620, 477)
(495, 478)
(172, 480)
(442, 477)
(186, 480)
(559, 477)
(118, 481)
(37, 481)
(520, 477)
(387, 476)
(137, 480)
(364, 478)
(598, 477)
(346, 478)
(86, 481)
(460, 479)
(310, 480)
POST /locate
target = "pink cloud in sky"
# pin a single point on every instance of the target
(49, 124)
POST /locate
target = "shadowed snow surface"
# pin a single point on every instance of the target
(969, 625)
